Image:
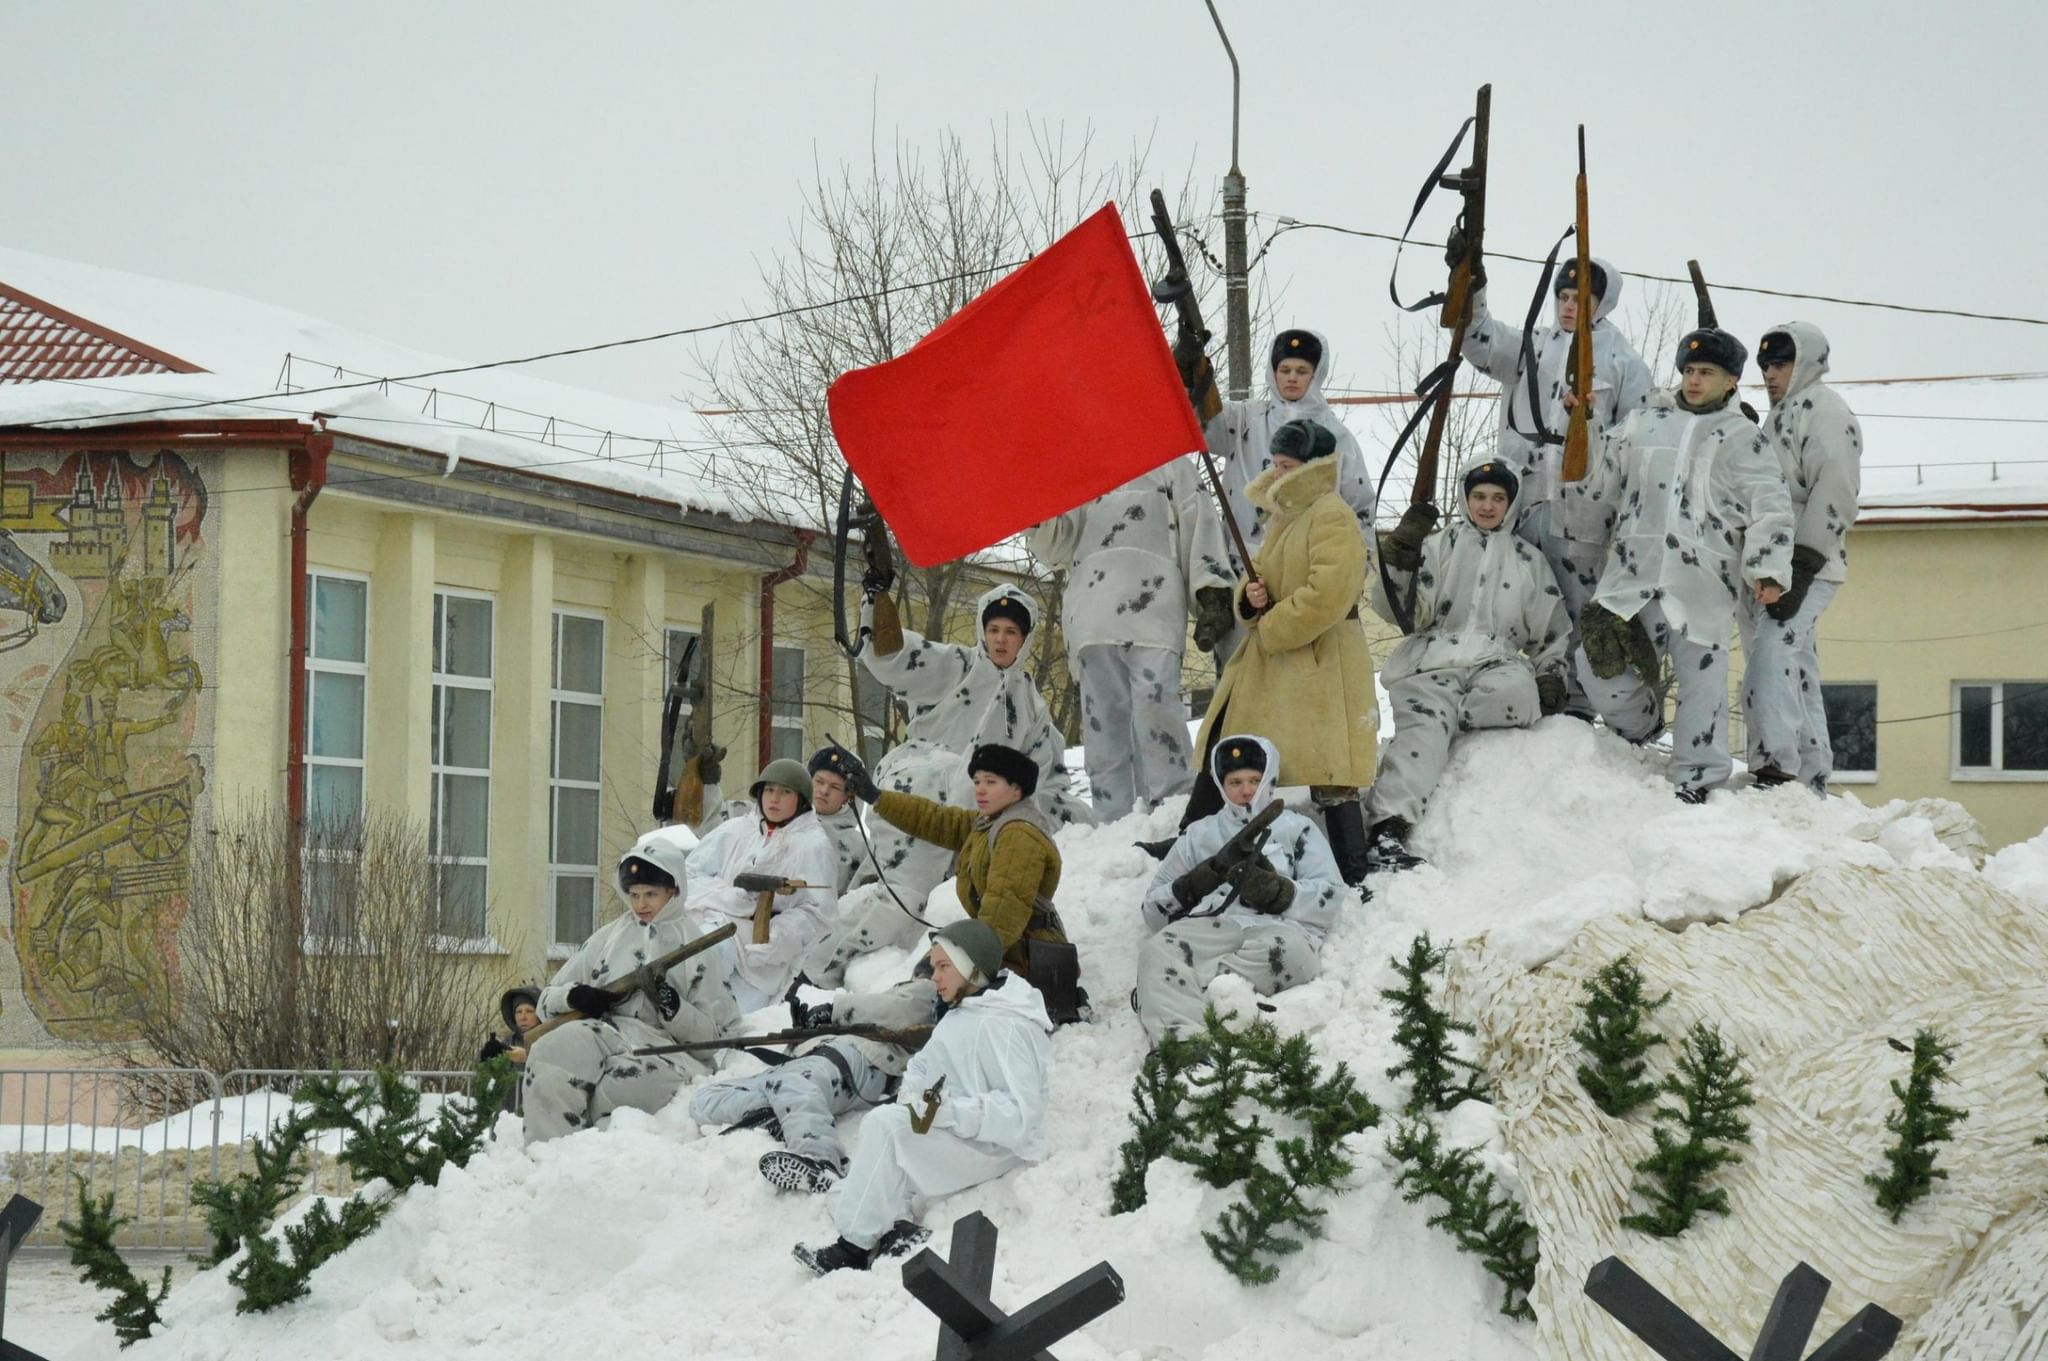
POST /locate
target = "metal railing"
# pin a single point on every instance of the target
(145, 1135)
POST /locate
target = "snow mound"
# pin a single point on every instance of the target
(1552, 849)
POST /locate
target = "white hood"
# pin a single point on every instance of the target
(668, 848)
(989, 597)
(1268, 780)
(1312, 403)
(1607, 299)
(1809, 355)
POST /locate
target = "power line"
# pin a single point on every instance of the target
(2009, 692)
(1945, 637)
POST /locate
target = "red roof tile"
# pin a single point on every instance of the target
(39, 341)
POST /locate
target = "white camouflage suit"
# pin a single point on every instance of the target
(1819, 445)
(992, 1048)
(844, 827)
(1621, 384)
(1181, 958)
(827, 1078)
(1488, 621)
(800, 851)
(579, 1073)
(958, 700)
(1695, 508)
(1136, 556)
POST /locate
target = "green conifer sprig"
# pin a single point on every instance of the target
(243, 1206)
(1222, 1141)
(1423, 1031)
(1696, 1133)
(1921, 1124)
(134, 1310)
(273, 1274)
(1491, 1227)
(1615, 1037)
(1159, 1123)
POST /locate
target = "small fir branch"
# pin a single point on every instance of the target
(1222, 1143)
(1615, 1037)
(243, 1206)
(1423, 1031)
(1696, 1133)
(1158, 1124)
(1489, 1226)
(134, 1311)
(1921, 1124)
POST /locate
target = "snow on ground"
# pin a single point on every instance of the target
(657, 1234)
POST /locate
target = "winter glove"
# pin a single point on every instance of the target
(1401, 547)
(1199, 882)
(881, 566)
(1456, 248)
(816, 1016)
(1189, 354)
(591, 1001)
(1264, 889)
(1806, 565)
(877, 581)
(1550, 693)
(1604, 635)
(1212, 616)
(492, 1048)
(859, 783)
(710, 763)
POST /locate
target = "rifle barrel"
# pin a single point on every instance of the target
(1576, 438)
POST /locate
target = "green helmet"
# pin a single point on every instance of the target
(791, 775)
(981, 946)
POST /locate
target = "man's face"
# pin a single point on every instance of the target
(1291, 378)
(1704, 383)
(946, 978)
(1568, 308)
(1240, 785)
(1488, 505)
(524, 1017)
(993, 793)
(1004, 641)
(1285, 463)
(647, 900)
(1777, 378)
(828, 792)
(778, 804)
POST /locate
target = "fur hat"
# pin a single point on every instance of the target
(1710, 346)
(1010, 608)
(1493, 473)
(1297, 345)
(975, 949)
(1568, 277)
(1304, 440)
(1005, 763)
(1234, 754)
(1775, 348)
(827, 759)
(633, 872)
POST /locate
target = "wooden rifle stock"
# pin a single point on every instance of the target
(624, 986)
(1700, 296)
(1456, 316)
(1575, 434)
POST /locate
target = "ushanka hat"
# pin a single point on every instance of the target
(1238, 753)
(1304, 440)
(1568, 277)
(1494, 473)
(1005, 763)
(1775, 348)
(1007, 607)
(1710, 346)
(635, 872)
(1297, 344)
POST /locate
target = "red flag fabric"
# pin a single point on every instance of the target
(1053, 387)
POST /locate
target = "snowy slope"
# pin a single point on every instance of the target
(653, 1234)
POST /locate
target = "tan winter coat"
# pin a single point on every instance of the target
(1303, 677)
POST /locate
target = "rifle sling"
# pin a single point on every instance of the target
(1434, 387)
(842, 529)
(1429, 187)
(1542, 434)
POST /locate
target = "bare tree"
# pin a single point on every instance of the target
(1654, 322)
(1417, 345)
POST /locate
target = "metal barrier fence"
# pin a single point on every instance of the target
(145, 1135)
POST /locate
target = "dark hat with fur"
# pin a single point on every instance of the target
(1006, 763)
(1304, 440)
(1776, 348)
(1236, 753)
(1568, 277)
(633, 872)
(1007, 607)
(1297, 345)
(1710, 346)
(1495, 473)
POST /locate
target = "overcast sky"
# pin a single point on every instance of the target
(483, 180)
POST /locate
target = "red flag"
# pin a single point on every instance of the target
(1053, 387)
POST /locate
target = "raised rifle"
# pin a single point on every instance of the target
(1177, 289)
(683, 800)
(1573, 467)
(764, 887)
(909, 1037)
(879, 564)
(637, 979)
(1708, 322)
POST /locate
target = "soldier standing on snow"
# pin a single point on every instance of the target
(1820, 448)
(1695, 507)
(1490, 645)
(1261, 917)
(582, 1071)
(971, 1106)
(1621, 383)
(1138, 558)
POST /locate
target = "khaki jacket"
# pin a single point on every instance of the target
(1007, 868)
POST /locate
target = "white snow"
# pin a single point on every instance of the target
(2021, 869)
(656, 1235)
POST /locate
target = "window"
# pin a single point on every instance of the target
(787, 712)
(2001, 730)
(575, 773)
(337, 689)
(458, 830)
(1852, 731)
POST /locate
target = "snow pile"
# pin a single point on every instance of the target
(2022, 870)
(1558, 844)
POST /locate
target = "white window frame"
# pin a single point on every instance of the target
(557, 697)
(1994, 773)
(440, 681)
(315, 665)
(777, 722)
(1838, 775)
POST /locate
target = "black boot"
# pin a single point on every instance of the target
(1157, 849)
(1768, 777)
(1346, 824)
(1388, 847)
(838, 1255)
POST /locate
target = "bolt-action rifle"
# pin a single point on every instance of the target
(764, 887)
(909, 1037)
(683, 799)
(1234, 855)
(643, 979)
(1466, 275)
(1573, 468)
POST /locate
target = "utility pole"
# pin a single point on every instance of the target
(1237, 325)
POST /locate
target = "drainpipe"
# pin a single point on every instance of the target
(765, 728)
(308, 466)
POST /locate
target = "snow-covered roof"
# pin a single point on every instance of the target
(1954, 449)
(258, 362)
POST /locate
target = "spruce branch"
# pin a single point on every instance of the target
(1695, 1134)
(1921, 1124)
(1423, 1031)
(243, 1206)
(1491, 1227)
(1615, 1038)
(1158, 1124)
(1222, 1144)
(134, 1310)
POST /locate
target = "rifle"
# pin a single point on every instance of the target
(1575, 436)
(764, 887)
(626, 986)
(1709, 323)
(1177, 289)
(1241, 849)
(683, 801)
(878, 561)
(910, 1037)
(921, 1121)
